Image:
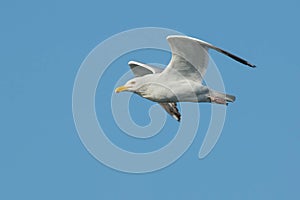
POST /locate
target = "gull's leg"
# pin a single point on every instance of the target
(218, 100)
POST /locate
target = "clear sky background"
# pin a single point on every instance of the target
(42, 45)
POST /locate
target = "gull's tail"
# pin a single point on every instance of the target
(229, 98)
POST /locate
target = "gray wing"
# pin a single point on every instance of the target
(190, 58)
(141, 69)
(172, 109)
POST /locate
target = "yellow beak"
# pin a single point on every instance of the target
(121, 89)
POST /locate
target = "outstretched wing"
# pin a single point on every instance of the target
(172, 109)
(141, 69)
(190, 58)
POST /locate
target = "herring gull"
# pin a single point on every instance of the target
(181, 80)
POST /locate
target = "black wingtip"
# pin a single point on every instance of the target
(178, 118)
(251, 65)
(234, 57)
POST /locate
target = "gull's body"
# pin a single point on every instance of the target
(181, 80)
(158, 90)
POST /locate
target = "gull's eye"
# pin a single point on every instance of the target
(132, 82)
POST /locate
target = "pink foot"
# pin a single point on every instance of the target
(218, 100)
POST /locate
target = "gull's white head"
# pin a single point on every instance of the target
(131, 86)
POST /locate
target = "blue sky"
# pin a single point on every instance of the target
(42, 47)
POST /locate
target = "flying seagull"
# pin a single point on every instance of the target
(181, 80)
